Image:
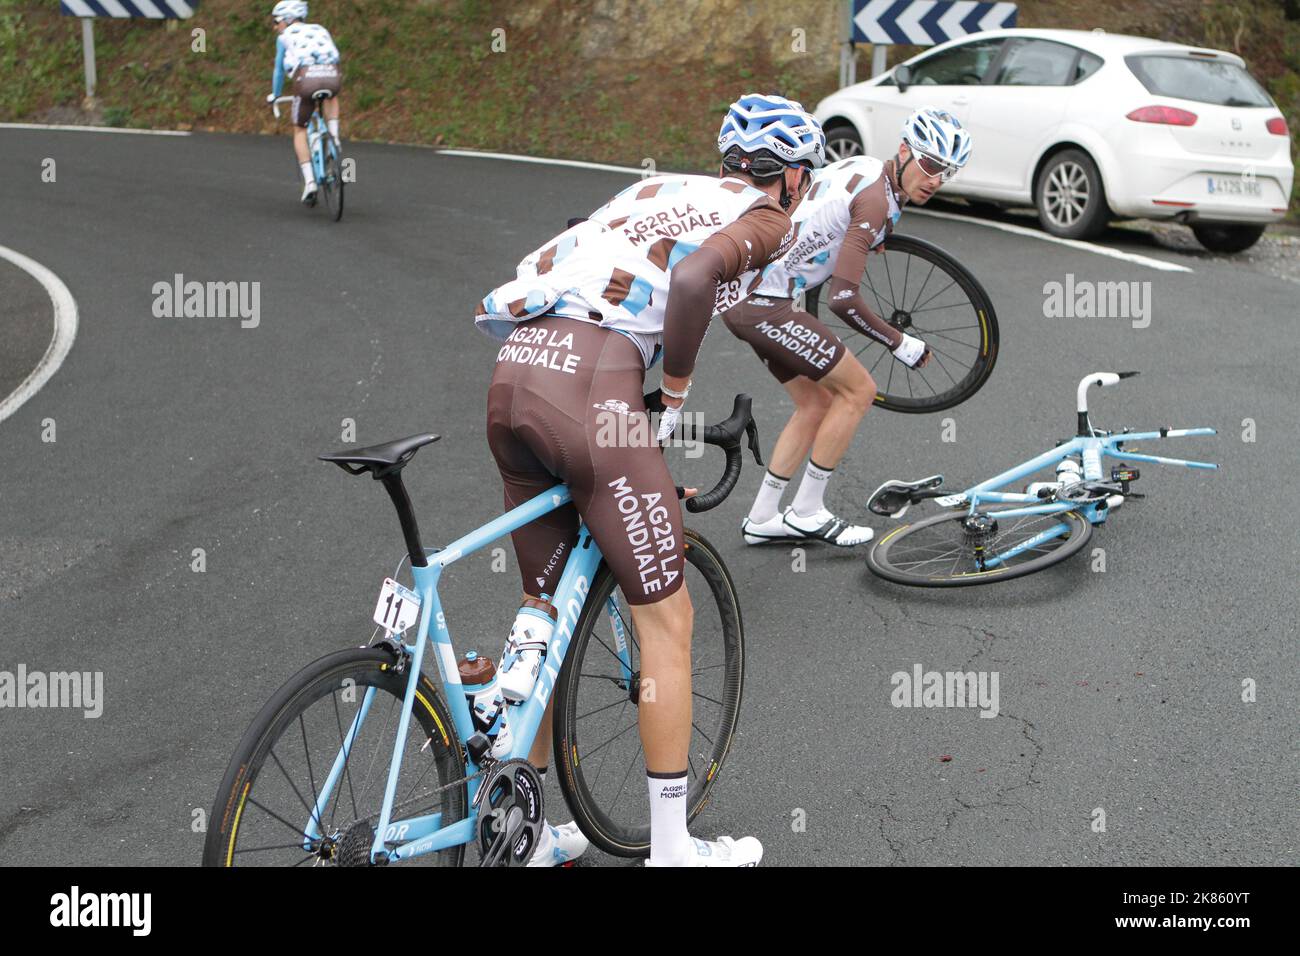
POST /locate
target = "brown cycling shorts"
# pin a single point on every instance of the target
(789, 342)
(308, 80)
(566, 405)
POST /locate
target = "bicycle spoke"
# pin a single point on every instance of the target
(702, 733)
(935, 296)
(347, 773)
(310, 808)
(263, 849)
(275, 816)
(706, 697)
(599, 709)
(912, 307)
(623, 786)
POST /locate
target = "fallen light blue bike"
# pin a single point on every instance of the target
(365, 758)
(989, 535)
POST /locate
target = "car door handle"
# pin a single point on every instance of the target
(961, 101)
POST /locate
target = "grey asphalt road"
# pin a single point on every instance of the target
(1120, 691)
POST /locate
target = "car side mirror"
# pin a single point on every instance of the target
(902, 77)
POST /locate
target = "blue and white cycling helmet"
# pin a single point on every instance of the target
(760, 123)
(938, 135)
(290, 10)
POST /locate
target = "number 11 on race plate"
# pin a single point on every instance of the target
(398, 607)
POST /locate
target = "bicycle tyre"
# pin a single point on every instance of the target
(881, 562)
(368, 666)
(332, 185)
(596, 822)
(898, 392)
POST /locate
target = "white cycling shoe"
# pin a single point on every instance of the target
(559, 845)
(765, 532)
(824, 526)
(309, 194)
(725, 851)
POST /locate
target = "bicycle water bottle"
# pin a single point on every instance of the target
(1068, 471)
(478, 676)
(526, 649)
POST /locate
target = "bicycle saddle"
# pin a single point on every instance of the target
(893, 498)
(382, 459)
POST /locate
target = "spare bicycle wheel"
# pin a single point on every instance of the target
(919, 289)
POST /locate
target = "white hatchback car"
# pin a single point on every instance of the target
(1088, 127)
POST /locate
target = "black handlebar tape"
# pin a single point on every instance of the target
(726, 435)
(711, 499)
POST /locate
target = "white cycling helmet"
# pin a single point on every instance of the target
(759, 122)
(290, 10)
(938, 135)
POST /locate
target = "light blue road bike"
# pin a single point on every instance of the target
(326, 163)
(978, 542)
(363, 758)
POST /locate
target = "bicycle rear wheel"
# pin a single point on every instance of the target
(919, 289)
(945, 552)
(597, 741)
(332, 184)
(277, 774)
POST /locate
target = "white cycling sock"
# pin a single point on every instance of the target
(670, 843)
(307, 176)
(768, 500)
(808, 499)
(333, 127)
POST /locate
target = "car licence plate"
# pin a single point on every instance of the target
(1232, 186)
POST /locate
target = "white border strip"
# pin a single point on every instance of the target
(1005, 227)
(65, 331)
(579, 164)
(96, 129)
(1047, 237)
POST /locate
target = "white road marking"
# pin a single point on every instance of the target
(1047, 237)
(65, 331)
(1004, 226)
(579, 164)
(95, 129)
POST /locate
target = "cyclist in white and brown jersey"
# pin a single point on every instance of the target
(585, 317)
(850, 210)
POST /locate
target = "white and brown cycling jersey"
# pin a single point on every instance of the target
(614, 268)
(852, 206)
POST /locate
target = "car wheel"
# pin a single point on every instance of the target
(841, 143)
(1070, 198)
(1225, 237)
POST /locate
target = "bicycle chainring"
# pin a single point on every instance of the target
(1086, 492)
(510, 814)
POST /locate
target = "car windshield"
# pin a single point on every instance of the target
(1205, 81)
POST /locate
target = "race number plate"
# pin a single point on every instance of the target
(398, 607)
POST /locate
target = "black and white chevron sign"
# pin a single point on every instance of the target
(923, 22)
(152, 9)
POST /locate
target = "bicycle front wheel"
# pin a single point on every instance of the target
(919, 289)
(949, 551)
(599, 693)
(273, 808)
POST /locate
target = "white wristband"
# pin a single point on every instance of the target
(910, 350)
(672, 394)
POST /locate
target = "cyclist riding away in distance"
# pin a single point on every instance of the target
(852, 207)
(588, 313)
(306, 54)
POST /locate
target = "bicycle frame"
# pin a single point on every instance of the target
(1091, 446)
(318, 140)
(426, 834)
